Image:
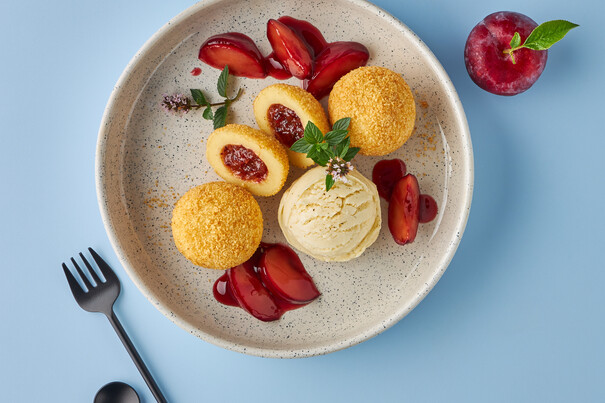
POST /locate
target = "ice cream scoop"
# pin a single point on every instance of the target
(333, 226)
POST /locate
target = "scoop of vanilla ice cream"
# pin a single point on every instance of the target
(333, 226)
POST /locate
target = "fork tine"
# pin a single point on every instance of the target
(82, 276)
(92, 271)
(103, 266)
(76, 290)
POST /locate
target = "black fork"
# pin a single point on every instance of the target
(100, 298)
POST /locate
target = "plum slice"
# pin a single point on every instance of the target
(428, 209)
(336, 60)
(237, 51)
(251, 295)
(285, 276)
(404, 209)
(386, 174)
(275, 68)
(222, 290)
(307, 31)
(290, 50)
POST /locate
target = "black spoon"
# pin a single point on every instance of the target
(117, 392)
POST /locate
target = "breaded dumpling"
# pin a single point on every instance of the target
(248, 157)
(217, 225)
(283, 111)
(381, 107)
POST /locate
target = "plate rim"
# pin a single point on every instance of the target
(372, 331)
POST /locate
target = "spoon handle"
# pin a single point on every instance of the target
(138, 361)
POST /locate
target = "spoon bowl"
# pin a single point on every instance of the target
(117, 392)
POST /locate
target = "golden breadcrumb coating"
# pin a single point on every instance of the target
(217, 225)
(264, 145)
(306, 107)
(381, 107)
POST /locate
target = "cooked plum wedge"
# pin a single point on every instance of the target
(237, 51)
(289, 49)
(407, 206)
(272, 282)
(336, 60)
(284, 274)
(251, 295)
(275, 68)
(307, 31)
(299, 50)
(428, 209)
(386, 174)
(404, 209)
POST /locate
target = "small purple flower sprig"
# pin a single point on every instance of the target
(180, 103)
(332, 150)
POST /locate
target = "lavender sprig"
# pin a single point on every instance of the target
(181, 104)
(332, 150)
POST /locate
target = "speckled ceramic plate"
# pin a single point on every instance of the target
(147, 158)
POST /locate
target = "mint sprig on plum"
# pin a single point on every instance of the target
(332, 150)
(180, 103)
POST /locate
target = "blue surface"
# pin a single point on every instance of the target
(518, 316)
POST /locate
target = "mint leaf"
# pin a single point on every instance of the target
(208, 115)
(329, 182)
(220, 117)
(352, 152)
(341, 124)
(198, 97)
(335, 136)
(323, 157)
(339, 148)
(301, 146)
(313, 134)
(313, 153)
(516, 41)
(221, 86)
(547, 34)
(342, 148)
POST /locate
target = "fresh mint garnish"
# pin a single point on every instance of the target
(341, 124)
(198, 97)
(208, 115)
(332, 150)
(329, 182)
(220, 117)
(542, 37)
(221, 86)
(180, 103)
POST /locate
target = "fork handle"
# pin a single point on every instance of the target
(138, 361)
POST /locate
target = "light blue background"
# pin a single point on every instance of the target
(518, 316)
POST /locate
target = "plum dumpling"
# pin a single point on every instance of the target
(248, 157)
(283, 111)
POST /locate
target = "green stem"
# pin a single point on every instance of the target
(510, 53)
(239, 93)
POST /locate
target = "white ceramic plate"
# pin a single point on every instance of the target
(147, 158)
